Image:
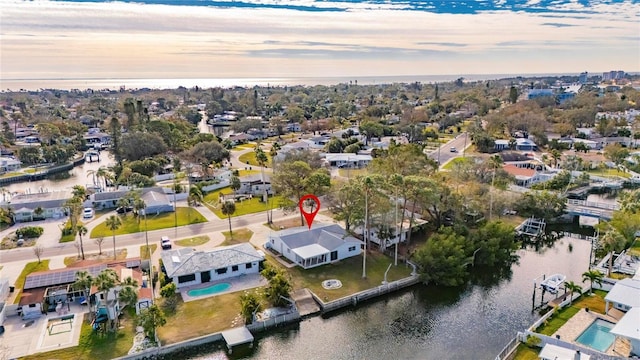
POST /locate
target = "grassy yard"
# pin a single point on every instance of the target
(349, 272)
(28, 269)
(203, 317)
(609, 173)
(635, 249)
(250, 159)
(525, 353)
(244, 207)
(239, 236)
(243, 172)
(130, 224)
(194, 241)
(146, 254)
(94, 345)
(594, 303)
(453, 162)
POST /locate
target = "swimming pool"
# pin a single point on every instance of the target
(209, 290)
(597, 335)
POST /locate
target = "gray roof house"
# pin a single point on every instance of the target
(157, 202)
(252, 184)
(109, 199)
(52, 204)
(322, 244)
(190, 267)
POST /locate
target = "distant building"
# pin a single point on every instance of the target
(613, 75)
(538, 93)
(584, 77)
(9, 164)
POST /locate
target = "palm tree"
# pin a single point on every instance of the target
(105, 281)
(195, 196)
(594, 276)
(611, 242)
(228, 209)
(573, 288)
(128, 296)
(495, 162)
(84, 280)
(79, 191)
(138, 205)
(235, 184)
(124, 203)
(113, 223)
(262, 159)
(556, 155)
(103, 173)
(630, 201)
(81, 230)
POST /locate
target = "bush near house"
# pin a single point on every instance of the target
(30, 232)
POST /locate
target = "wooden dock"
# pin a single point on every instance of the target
(237, 336)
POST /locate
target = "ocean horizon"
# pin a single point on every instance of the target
(11, 85)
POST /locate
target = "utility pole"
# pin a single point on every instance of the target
(366, 227)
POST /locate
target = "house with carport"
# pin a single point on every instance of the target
(156, 202)
(188, 267)
(308, 248)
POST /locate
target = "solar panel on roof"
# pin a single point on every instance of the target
(58, 277)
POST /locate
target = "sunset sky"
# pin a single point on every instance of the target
(48, 40)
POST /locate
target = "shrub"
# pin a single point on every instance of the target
(533, 341)
(168, 290)
(30, 232)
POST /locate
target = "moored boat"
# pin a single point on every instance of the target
(553, 283)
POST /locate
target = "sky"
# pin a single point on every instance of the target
(314, 38)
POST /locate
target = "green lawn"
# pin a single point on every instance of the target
(609, 173)
(239, 236)
(349, 272)
(525, 353)
(194, 241)
(250, 159)
(243, 172)
(130, 223)
(244, 207)
(28, 269)
(203, 317)
(144, 254)
(593, 302)
(635, 249)
(450, 164)
(94, 345)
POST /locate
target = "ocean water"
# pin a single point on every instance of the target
(433, 6)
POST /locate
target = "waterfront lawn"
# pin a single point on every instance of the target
(186, 216)
(28, 269)
(523, 352)
(93, 345)
(206, 316)
(193, 241)
(144, 254)
(594, 302)
(250, 159)
(244, 207)
(349, 272)
(239, 236)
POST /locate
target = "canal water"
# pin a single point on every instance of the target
(79, 175)
(426, 322)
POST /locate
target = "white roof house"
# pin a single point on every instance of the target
(189, 267)
(525, 145)
(624, 295)
(554, 352)
(629, 327)
(321, 244)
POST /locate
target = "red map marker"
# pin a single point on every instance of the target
(309, 216)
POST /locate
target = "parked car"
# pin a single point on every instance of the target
(165, 242)
(87, 213)
(453, 149)
(123, 209)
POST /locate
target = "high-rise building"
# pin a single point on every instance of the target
(583, 77)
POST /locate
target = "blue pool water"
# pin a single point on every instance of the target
(210, 290)
(597, 335)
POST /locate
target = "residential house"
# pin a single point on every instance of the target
(382, 229)
(586, 132)
(592, 145)
(526, 145)
(624, 295)
(254, 185)
(501, 144)
(291, 147)
(538, 93)
(190, 267)
(555, 352)
(51, 203)
(156, 202)
(347, 160)
(237, 139)
(109, 199)
(524, 176)
(97, 137)
(308, 248)
(9, 164)
(629, 328)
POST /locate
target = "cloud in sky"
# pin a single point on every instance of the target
(123, 40)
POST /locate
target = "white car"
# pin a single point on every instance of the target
(165, 242)
(87, 213)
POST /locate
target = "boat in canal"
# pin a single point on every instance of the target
(553, 283)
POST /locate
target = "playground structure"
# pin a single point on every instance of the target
(102, 316)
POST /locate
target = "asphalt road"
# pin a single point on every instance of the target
(445, 154)
(213, 225)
